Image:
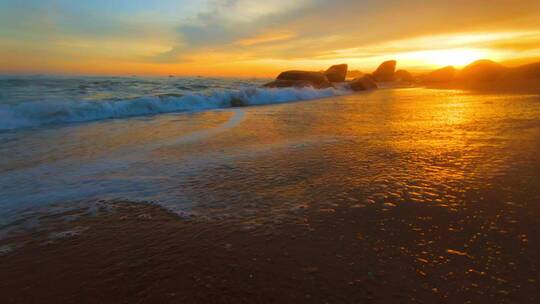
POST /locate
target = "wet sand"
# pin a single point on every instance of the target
(403, 196)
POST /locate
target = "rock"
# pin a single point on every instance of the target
(301, 79)
(237, 102)
(445, 74)
(337, 73)
(318, 79)
(282, 83)
(481, 71)
(363, 83)
(527, 71)
(354, 74)
(490, 76)
(403, 76)
(385, 71)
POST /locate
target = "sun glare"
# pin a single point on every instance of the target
(454, 57)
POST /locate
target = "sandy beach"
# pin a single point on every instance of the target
(270, 151)
(391, 196)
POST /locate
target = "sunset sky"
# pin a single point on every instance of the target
(259, 38)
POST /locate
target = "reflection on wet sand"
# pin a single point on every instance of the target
(409, 195)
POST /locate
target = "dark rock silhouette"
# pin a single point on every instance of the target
(354, 74)
(403, 76)
(489, 71)
(363, 83)
(489, 76)
(316, 77)
(337, 73)
(237, 102)
(523, 72)
(445, 74)
(482, 70)
(300, 79)
(479, 75)
(385, 71)
(283, 83)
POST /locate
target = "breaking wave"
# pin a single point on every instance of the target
(48, 112)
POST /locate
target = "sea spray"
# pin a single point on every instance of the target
(54, 111)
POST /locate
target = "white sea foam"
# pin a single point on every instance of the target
(46, 112)
(67, 234)
(5, 249)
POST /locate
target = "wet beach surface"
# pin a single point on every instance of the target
(394, 196)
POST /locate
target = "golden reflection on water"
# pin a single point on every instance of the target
(439, 187)
(388, 147)
(92, 139)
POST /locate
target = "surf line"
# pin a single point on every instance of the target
(237, 117)
(46, 176)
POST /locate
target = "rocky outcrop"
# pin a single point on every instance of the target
(445, 74)
(317, 80)
(527, 71)
(237, 102)
(482, 70)
(283, 83)
(484, 75)
(488, 76)
(351, 74)
(385, 71)
(315, 77)
(337, 73)
(363, 83)
(403, 76)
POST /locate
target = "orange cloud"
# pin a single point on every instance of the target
(265, 38)
(259, 38)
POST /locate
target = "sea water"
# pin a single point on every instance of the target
(79, 139)
(68, 143)
(39, 100)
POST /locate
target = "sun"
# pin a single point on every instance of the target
(458, 57)
(454, 57)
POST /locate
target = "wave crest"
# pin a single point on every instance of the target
(47, 112)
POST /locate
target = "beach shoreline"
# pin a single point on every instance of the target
(248, 151)
(398, 195)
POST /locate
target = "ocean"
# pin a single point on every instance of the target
(181, 143)
(80, 139)
(129, 182)
(41, 101)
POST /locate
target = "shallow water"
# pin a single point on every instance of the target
(264, 163)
